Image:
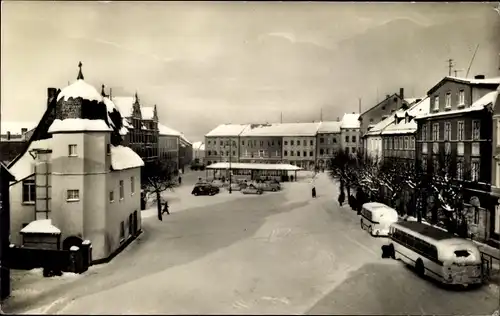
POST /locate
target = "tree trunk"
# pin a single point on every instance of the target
(158, 205)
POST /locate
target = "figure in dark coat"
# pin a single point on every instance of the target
(165, 208)
(314, 192)
(341, 198)
(180, 180)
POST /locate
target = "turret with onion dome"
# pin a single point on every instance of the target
(81, 108)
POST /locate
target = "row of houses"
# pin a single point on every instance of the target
(458, 119)
(307, 145)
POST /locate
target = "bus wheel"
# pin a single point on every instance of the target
(419, 267)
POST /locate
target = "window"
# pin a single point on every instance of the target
(448, 100)
(291, 153)
(436, 103)
(406, 144)
(321, 151)
(272, 143)
(424, 163)
(29, 191)
(435, 164)
(108, 149)
(122, 190)
(353, 139)
(347, 139)
(311, 154)
(435, 131)
(285, 143)
(132, 185)
(72, 150)
(111, 196)
(291, 142)
(243, 143)
(298, 153)
(461, 97)
(72, 195)
(475, 169)
(215, 153)
(261, 143)
(209, 142)
(122, 232)
(311, 142)
(285, 153)
(334, 140)
(304, 153)
(460, 169)
(396, 143)
(460, 131)
(227, 152)
(424, 132)
(476, 128)
(401, 142)
(234, 153)
(321, 140)
(353, 150)
(447, 131)
(298, 143)
(383, 108)
(220, 142)
(279, 143)
(412, 142)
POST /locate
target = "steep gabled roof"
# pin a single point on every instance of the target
(373, 107)
(487, 82)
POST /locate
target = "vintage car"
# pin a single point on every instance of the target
(217, 183)
(235, 187)
(251, 189)
(269, 186)
(205, 189)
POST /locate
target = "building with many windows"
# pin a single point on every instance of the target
(327, 142)
(350, 139)
(222, 144)
(459, 128)
(76, 177)
(168, 146)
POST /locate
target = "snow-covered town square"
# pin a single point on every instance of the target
(253, 158)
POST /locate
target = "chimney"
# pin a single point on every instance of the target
(24, 130)
(402, 93)
(479, 77)
(353, 112)
(387, 96)
(338, 119)
(51, 93)
(8, 135)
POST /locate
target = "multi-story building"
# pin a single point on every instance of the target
(495, 171)
(398, 138)
(261, 143)
(14, 138)
(141, 126)
(372, 140)
(76, 177)
(350, 139)
(459, 126)
(199, 152)
(168, 146)
(381, 111)
(327, 142)
(185, 152)
(223, 143)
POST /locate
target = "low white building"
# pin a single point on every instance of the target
(373, 139)
(76, 175)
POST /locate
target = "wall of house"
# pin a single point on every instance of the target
(375, 115)
(21, 213)
(353, 141)
(119, 210)
(374, 146)
(250, 148)
(300, 144)
(218, 149)
(326, 145)
(453, 88)
(399, 145)
(169, 148)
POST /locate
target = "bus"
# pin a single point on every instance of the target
(436, 253)
(377, 218)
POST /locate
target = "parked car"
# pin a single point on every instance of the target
(251, 189)
(205, 189)
(235, 187)
(271, 186)
(217, 183)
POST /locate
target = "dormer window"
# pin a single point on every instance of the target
(72, 150)
(448, 100)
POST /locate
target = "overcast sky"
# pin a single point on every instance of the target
(209, 63)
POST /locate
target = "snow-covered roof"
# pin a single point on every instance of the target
(329, 127)
(227, 130)
(124, 158)
(147, 113)
(123, 131)
(254, 166)
(493, 80)
(25, 167)
(412, 100)
(42, 226)
(110, 105)
(126, 123)
(281, 129)
(380, 126)
(80, 89)
(350, 120)
(488, 99)
(125, 105)
(167, 131)
(183, 138)
(79, 125)
(403, 127)
(15, 127)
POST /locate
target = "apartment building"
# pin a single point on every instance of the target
(350, 139)
(459, 126)
(260, 143)
(328, 140)
(223, 143)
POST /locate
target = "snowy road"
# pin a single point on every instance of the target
(279, 253)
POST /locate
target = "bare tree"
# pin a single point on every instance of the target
(158, 176)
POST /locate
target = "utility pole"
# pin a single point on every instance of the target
(321, 115)
(456, 71)
(359, 104)
(471, 61)
(450, 66)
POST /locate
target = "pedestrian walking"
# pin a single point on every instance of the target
(180, 180)
(165, 208)
(341, 198)
(314, 192)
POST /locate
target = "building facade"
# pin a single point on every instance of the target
(168, 146)
(185, 152)
(350, 139)
(223, 143)
(328, 140)
(459, 127)
(77, 176)
(199, 152)
(495, 171)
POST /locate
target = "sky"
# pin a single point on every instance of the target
(208, 63)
